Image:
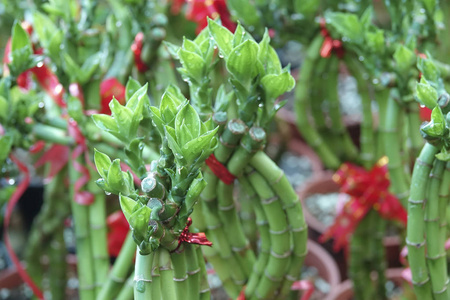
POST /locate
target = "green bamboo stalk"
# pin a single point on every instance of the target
(58, 265)
(98, 232)
(390, 132)
(436, 256)
(180, 276)
(168, 289)
(233, 228)
(415, 227)
(293, 209)
(309, 133)
(127, 290)
(264, 235)
(156, 278)
(229, 139)
(443, 202)
(248, 217)
(342, 141)
(85, 264)
(193, 271)
(367, 138)
(280, 239)
(143, 276)
(120, 269)
(317, 98)
(205, 292)
(222, 270)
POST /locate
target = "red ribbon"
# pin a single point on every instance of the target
(368, 189)
(304, 285)
(9, 208)
(192, 238)
(329, 44)
(117, 233)
(219, 170)
(136, 47)
(198, 11)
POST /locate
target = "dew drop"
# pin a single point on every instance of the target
(40, 64)
(107, 193)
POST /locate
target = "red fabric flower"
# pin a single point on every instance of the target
(108, 88)
(118, 230)
(198, 10)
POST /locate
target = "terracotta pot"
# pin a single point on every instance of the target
(345, 290)
(326, 266)
(324, 184)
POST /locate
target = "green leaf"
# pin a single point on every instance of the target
(347, 25)
(242, 61)
(245, 11)
(123, 116)
(426, 94)
(71, 67)
(366, 18)
(204, 143)
(157, 120)
(172, 48)
(127, 205)
(139, 221)
(169, 108)
(276, 85)
(443, 155)
(75, 109)
(131, 88)
(105, 122)
(4, 108)
(134, 102)
(88, 68)
(404, 58)
(436, 127)
(173, 145)
(187, 125)
(54, 47)
(239, 34)
(222, 37)
(307, 8)
(195, 189)
(6, 143)
(20, 39)
(428, 69)
(102, 163)
(44, 27)
(375, 41)
(115, 179)
(268, 57)
(190, 46)
(193, 64)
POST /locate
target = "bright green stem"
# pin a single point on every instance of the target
(51, 134)
(317, 99)
(156, 278)
(233, 227)
(192, 270)
(280, 238)
(293, 209)
(57, 265)
(143, 276)
(98, 231)
(205, 292)
(367, 138)
(248, 217)
(443, 204)
(168, 289)
(229, 139)
(222, 269)
(85, 257)
(302, 95)
(436, 256)
(264, 236)
(180, 276)
(127, 290)
(341, 139)
(120, 269)
(415, 227)
(392, 144)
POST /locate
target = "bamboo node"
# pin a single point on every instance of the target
(226, 208)
(180, 279)
(193, 272)
(279, 232)
(436, 256)
(290, 277)
(423, 163)
(214, 227)
(291, 205)
(262, 222)
(431, 220)
(117, 279)
(269, 200)
(227, 145)
(300, 229)
(416, 201)
(417, 245)
(420, 283)
(281, 256)
(273, 279)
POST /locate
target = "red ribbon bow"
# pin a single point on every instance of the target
(329, 44)
(136, 47)
(368, 189)
(219, 170)
(192, 238)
